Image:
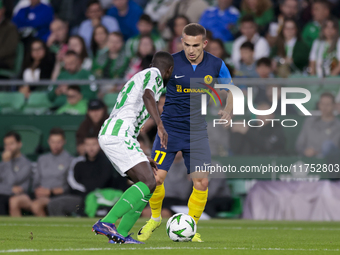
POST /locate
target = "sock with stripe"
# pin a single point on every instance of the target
(196, 203)
(156, 202)
(131, 197)
(129, 219)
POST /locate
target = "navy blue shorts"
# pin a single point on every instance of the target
(195, 149)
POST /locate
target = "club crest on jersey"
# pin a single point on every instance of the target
(208, 79)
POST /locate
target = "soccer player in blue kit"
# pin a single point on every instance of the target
(192, 140)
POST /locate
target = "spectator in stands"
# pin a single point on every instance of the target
(320, 135)
(264, 68)
(247, 65)
(9, 39)
(127, 12)
(221, 20)
(38, 65)
(57, 41)
(324, 58)
(75, 104)
(50, 179)
(143, 58)
(216, 48)
(15, 171)
(179, 23)
(156, 9)
(87, 173)
(34, 20)
(115, 62)
(268, 98)
(145, 27)
(289, 9)
(77, 44)
(72, 71)
(290, 52)
(96, 17)
(249, 33)
(192, 9)
(266, 139)
(261, 10)
(320, 12)
(99, 43)
(95, 117)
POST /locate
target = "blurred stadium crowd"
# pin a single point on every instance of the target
(72, 40)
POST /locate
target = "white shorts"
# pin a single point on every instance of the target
(123, 152)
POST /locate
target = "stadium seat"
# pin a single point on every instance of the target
(228, 47)
(70, 135)
(15, 72)
(30, 137)
(37, 104)
(11, 102)
(110, 100)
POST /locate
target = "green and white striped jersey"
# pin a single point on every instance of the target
(129, 113)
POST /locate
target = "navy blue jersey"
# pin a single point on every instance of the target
(178, 114)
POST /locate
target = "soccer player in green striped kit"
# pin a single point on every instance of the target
(118, 139)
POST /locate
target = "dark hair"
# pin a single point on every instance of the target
(72, 53)
(94, 45)
(91, 2)
(74, 87)
(247, 45)
(46, 63)
(336, 37)
(262, 6)
(183, 17)
(328, 94)
(91, 135)
(83, 53)
(221, 45)
(146, 18)
(247, 18)
(57, 131)
(194, 29)
(264, 61)
(119, 34)
(281, 51)
(14, 134)
(325, 3)
(162, 60)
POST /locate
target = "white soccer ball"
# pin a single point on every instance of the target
(181, 228)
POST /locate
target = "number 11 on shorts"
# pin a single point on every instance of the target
(157, 155)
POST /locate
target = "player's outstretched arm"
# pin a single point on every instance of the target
(151, 107)
(227, 111)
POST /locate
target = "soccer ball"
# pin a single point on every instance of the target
(181, 228)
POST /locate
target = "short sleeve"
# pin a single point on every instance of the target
(224, 76)
(154, 82)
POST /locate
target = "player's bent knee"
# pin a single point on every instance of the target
(159, 180)
(201, 184)
(151, 183)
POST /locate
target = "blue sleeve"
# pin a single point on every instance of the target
(224, 75)
(43, 19)
(19, 19)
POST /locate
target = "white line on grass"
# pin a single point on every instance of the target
(217, 227)
(164, 248)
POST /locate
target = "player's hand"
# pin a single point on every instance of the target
(153, 165)
(163, 135)
(6, 156)
(42, 192)
(17, 190)
(226, 116)
(58, 191)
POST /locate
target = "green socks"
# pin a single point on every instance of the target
(130, 218)
(131, 199)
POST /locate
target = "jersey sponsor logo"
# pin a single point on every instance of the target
(178, 77)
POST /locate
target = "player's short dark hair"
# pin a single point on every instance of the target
(247, 45)
(194, 29)
(57, 131)
(329, 95)
(247, 18)
(162, 60)
(72, 53)
(264, 61)
(74, 87)
(91, 135)
(91, 2)
(14, 134)
(325, 3)
(146, 18)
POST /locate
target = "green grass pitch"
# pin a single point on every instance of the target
(56, 236)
